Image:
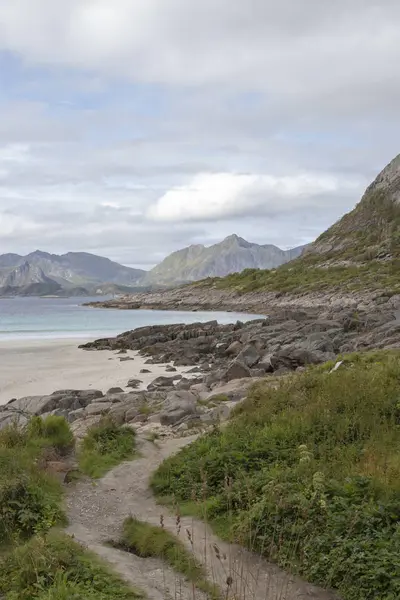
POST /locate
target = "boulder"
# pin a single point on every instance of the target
(234, 348)
(98, 408)
(236, 370)
(163, 381)
(125, 358)
(115, 390)
(145, 371)
(249, 356)
(179, 404)
(170, 369)
(134, 383)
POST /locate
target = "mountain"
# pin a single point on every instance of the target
(72, 273)
(359, 253)
(233, 254)
(370, 231)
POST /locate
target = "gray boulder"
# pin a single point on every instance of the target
(163, 381)
(249, 356)
(178, 406)
(134, 383)
(234, 348)
(236, 370)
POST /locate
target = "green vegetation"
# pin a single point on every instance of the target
(54, 567)
(37, 563)
(149, 541)
(306, 275)
(30, 498)
(308, 474)
(105, 446)
(359, 252)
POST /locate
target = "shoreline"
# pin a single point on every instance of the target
(42, 366)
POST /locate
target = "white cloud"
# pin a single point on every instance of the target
(219, 196)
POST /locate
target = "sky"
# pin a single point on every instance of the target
(133, 128)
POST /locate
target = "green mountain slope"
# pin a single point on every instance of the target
(360, 251)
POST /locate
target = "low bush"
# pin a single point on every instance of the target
(54, 567)
(308, 474)
(105, 446)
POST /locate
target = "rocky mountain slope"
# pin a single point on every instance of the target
(356, 262)
(232, 255)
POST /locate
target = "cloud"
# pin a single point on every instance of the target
(121, 119)
(218, 196)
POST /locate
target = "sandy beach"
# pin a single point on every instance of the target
(40, 367)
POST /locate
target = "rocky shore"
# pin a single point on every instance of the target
(217, 364)
(206, 296)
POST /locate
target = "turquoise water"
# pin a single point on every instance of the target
(38, 318)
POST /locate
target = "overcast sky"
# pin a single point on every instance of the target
(132, 128)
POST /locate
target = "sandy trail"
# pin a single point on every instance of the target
(96, 513)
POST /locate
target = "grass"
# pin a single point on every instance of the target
(36, 562)
(54, 567)
(149, 541)
(105, 446)
(30, 498)
(308, 474)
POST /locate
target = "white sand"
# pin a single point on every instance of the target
(30, 368)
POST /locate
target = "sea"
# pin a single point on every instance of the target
(63, 318)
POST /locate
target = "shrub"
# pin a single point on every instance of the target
(54, 567)
(53, 432)
(105, 446)
(308, 474)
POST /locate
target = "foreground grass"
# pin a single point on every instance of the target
(149, 541)
(104, 447)
(30, 498)
(308, 474)
(36, 563)
(54, 567)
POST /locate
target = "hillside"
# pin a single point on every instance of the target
(361, 251)
(232, 255)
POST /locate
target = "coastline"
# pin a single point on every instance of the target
(33, 367)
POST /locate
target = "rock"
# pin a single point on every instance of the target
(179, 404)
(145, 371)
(98, 408)
(170, 369)
(131, 414)
(115, 390)
(123, 351)
(249, 356)
(163, 381)
(80, 427)
(76, 414)
(134, 383)
(234, 348)
(236, 370)
(193, 370)
(257, 372)
(265, 363)
(125, 358)
(184, 384)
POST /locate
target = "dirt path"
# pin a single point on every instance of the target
(96, 512)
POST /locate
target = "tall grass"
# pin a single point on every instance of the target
(308, 474)
(104, 447)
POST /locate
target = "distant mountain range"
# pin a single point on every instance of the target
(75, 273)
(232, 255)
(80, 273)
